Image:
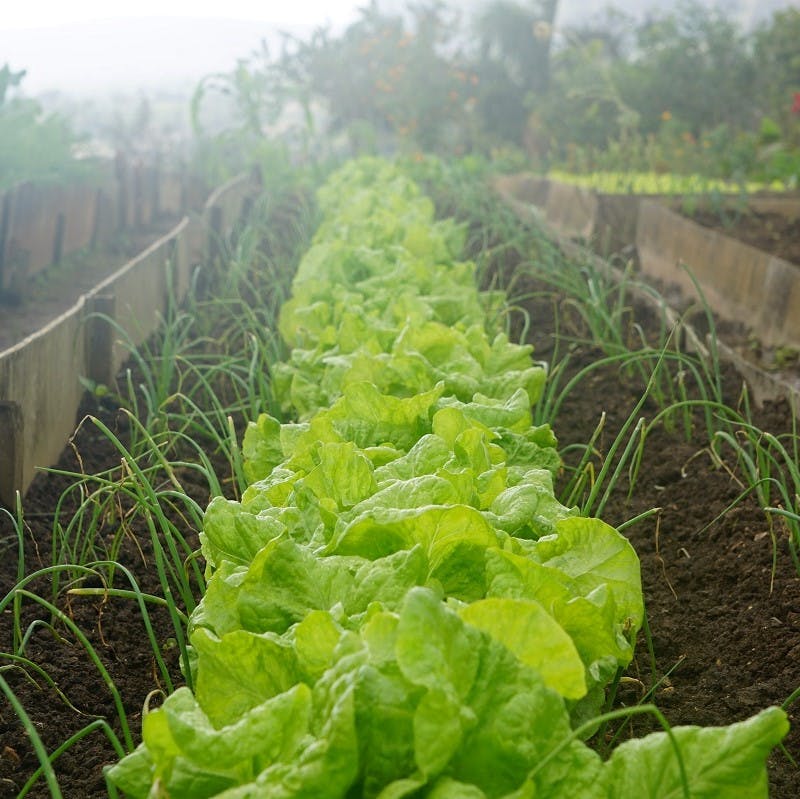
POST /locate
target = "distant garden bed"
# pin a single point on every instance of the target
(769, 231)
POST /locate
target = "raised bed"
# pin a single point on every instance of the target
(42, 223)
(679, 634)
(40, 388)
(751, 290)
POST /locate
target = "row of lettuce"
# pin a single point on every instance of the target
(399, 606)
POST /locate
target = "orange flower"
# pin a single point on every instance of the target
(666, 116)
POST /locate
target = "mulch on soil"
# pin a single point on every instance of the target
(725, 628)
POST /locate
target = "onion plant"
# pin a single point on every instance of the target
(183, 400)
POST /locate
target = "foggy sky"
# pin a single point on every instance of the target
(90, 56)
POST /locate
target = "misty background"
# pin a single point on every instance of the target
(665, 83)
(130, 53)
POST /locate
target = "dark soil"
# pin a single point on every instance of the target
(718, 618)
(774, 233)
(725, 629)
(114, 629)
(725, 623)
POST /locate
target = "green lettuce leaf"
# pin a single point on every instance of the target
(512, 412)
(454, 539)
(525, 628)
(528, 509)
(721, 762)
(194, 760)
(233, 534)
(240, 671)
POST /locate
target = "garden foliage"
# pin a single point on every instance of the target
(683, 90)
(33, 145)
(399, 606)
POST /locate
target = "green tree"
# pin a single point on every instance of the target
(33, 145)
(777, 59)
(394, 76)
(583, 105)
(694, 63)
(513, 62)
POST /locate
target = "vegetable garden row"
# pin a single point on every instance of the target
(398, 605)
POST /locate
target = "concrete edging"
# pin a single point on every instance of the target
(42, 222)
(40, 388)
(739, 282)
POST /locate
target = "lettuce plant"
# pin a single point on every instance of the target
(399, 606)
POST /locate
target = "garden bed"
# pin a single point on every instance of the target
(769, 231)
(55, 290)
(114, 628)
(727, 633)
(726, 629)
(752, 293)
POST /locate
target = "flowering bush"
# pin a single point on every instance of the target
(391, 78)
